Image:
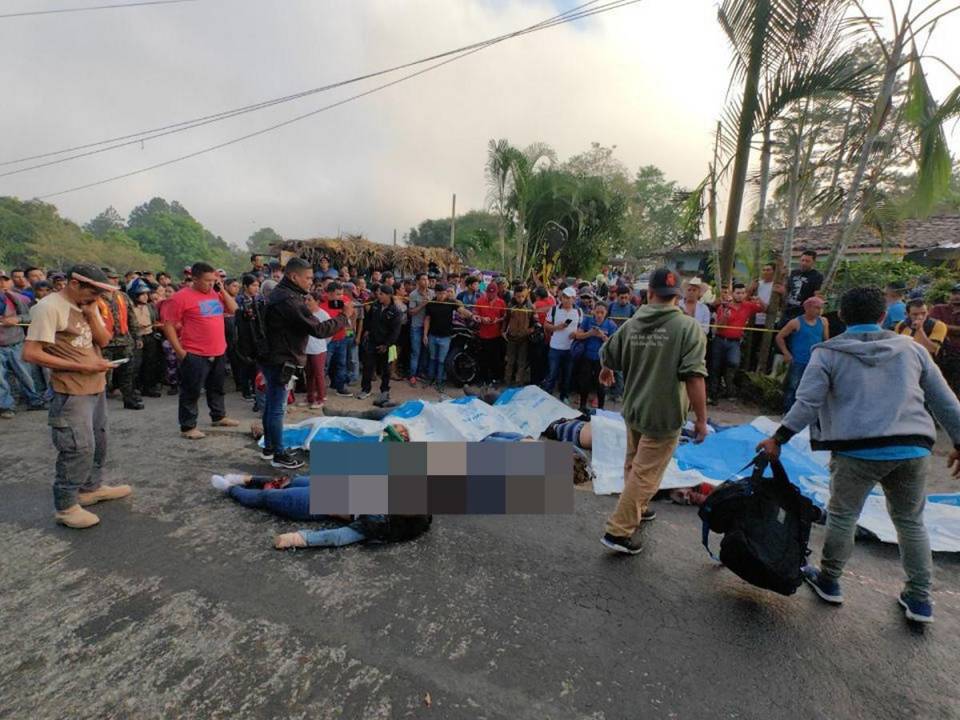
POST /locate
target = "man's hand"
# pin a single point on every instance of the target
(700, 431)
(779, 288)
(90, 310)
(771, 447)
(181, 354)
(787, 358)
(96, 366)
(426, 339)
(381, 348)
(349, 311)
(607, 378)
(953, 463)
(10, 320)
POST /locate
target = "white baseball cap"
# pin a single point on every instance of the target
(570, 292)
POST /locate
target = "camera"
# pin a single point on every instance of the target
(336, 304)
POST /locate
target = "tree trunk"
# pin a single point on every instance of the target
(748, 110)
(849, 225)
(838, 163)
(760, 222)
(712, 205)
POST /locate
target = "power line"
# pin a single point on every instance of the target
(140, 137)
(93, 7)
(552, 22)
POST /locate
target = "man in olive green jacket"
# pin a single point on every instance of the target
(660, 352)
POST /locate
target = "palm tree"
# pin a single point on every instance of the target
(500, 157)
(933, 160)
(784, 51)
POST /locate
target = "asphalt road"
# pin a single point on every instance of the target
(176, 605)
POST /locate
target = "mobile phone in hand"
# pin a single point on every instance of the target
(218, 286)
(569, 320)
(118, 363)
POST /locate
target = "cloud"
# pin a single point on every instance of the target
(649, 78)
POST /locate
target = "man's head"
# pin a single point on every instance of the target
(492, 290)
(441, 291)
(808, 258)
(299, 272)
(34, 275)
(204, 277)
(600, 312)
(276, 272)
(334, 291)
(375, 277)
(691, 290)
(344, 274)
(916, 312)
(586, 300)
(324, 263)
(664, 287)
(422, 281)
(6, 282)
(767, 272)
(541, 293)
(385, 294)
(387, 278)
(472, 283)
(623, 295)
(894, 292)
(813, 307)
(58, 281)
(232, 286)
(257, 261)
(251, 284)
(739, 292)
(520, 292)
(567, 296)
(41, 289)
(19, 279)
(85, 284)
(862, 306)
(163, 279)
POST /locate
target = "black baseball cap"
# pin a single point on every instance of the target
(91, 275)
(664, 283)
(385, 289)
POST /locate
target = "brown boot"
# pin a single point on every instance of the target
(104, 492)
(226, 422)
(76, 517)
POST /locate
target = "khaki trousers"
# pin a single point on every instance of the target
(646, 460)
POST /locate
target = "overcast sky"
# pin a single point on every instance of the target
(650, 78)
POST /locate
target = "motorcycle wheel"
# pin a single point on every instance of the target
(461, 367)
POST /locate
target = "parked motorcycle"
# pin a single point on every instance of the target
(462, 365)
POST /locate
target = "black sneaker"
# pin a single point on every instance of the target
(621, 544)
(648, 515)
(344, 393)
(363, 395)
(286, 462)
(266, 454)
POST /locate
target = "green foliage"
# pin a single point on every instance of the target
(765, 391)
(880, 271)
(261, 240)
(33, 233)
(476, 236)
(106, 221)
(168, 230)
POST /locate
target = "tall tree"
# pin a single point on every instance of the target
(103, 223)
(261, 240)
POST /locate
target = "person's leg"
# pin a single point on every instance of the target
(216, 378)
(274, 407)
(123, 375)
(433, 352)
(584, 384)
(149, 380)
(716, 367)
(332, 537)
(598, 388)
(443, 349)
(353, 352)
(344, 349)
(510, 362)
(522, 366)
(553, 369)
(193, 376)
(794, 374)
(566, 373)
(416, 344)
(644, 474)
(71, 425)
(500, 349)
(25, 376)
(905, 490)
(732, 365)
(320, 388)
(6, 394)
(369, 365)
(383, 368)
(291, 502)
(851, 480)
(99, 427)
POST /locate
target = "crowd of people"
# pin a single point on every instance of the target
(67, 339)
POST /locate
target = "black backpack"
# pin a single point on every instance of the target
(393, 528)
(251, 332)
(765, 523)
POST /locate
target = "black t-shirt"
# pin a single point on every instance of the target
(441, 318)
(801, 285)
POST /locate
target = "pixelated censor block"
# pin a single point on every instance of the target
(453, 478)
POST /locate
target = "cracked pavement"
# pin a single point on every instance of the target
(176, 606)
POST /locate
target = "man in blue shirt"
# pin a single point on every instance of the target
(471, 295)
(876, 437)
(896, 307)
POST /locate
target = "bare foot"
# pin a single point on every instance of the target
(289, 540)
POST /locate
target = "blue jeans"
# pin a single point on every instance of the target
(291, 502)
(416, 345)
(333, 537)
(354, 361)
(12, 365)
(274, 407)
(794, 375)
(439, 347)
(337, 362)
(559, 373)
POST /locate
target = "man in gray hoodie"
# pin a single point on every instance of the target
(867, 395)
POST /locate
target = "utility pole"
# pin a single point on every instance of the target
(394, 237)
(453, 221)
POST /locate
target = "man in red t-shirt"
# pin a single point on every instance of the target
(489, 312)
(733, 315)
(193, 325)
(949, 356)
(338, 346)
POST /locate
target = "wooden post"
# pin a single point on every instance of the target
(453, 221)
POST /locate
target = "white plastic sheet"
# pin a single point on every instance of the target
(532, 409)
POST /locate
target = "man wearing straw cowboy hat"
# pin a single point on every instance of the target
(66, 335)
